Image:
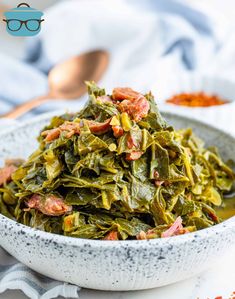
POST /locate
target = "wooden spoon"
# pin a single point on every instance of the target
(66, 80)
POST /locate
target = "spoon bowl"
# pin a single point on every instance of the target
(67, 80)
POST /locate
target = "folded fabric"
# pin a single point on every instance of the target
(16, 276)
(19, 82)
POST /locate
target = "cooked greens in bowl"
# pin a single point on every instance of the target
(116, 170)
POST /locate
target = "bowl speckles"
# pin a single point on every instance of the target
(114, 265)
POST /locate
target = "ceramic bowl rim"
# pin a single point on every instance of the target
(71, 241)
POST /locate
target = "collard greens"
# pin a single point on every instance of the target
(116, 170)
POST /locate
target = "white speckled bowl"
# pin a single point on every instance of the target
(114, 265)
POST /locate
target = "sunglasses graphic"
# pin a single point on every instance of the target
(15, 25)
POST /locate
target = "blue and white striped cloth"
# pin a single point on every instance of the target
(16, 276)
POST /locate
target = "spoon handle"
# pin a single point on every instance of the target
(25, 107)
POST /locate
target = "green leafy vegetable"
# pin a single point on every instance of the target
(116, 170)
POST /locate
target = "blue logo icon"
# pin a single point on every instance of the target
(23, 20)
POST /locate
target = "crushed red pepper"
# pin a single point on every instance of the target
(232, 296)
(196, 99)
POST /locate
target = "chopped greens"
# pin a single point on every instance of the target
(115, 171)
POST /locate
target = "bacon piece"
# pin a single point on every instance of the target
(137, 109)
(156, 174)
(113, 235)
(131, 142)
(142, 236)
(213, 216)
(132, 102)
(117, 131)
(150, 234)
(124, 93)
(183, 231)
(158, 183)
(135, 155)
(50, 205)
(71, 127)
(99, 128)
(5, 173)
(51, 134)
(175, 229)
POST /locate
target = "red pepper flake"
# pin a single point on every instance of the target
(196, 99)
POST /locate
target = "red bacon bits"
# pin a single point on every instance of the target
(131, 142)
(117, 131)
(150, 234)
(135, 155)
(124, 93)
(70, 127)
(156, 174)
(142, 236)
(136, 109)
(213, 216)
(175, 229)
(73, 128)
(6, 173)
(127, 100)
(132, 102)
(158, 183)
(51, 135)
(111, 236)
(50, 205)
(99, 128)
